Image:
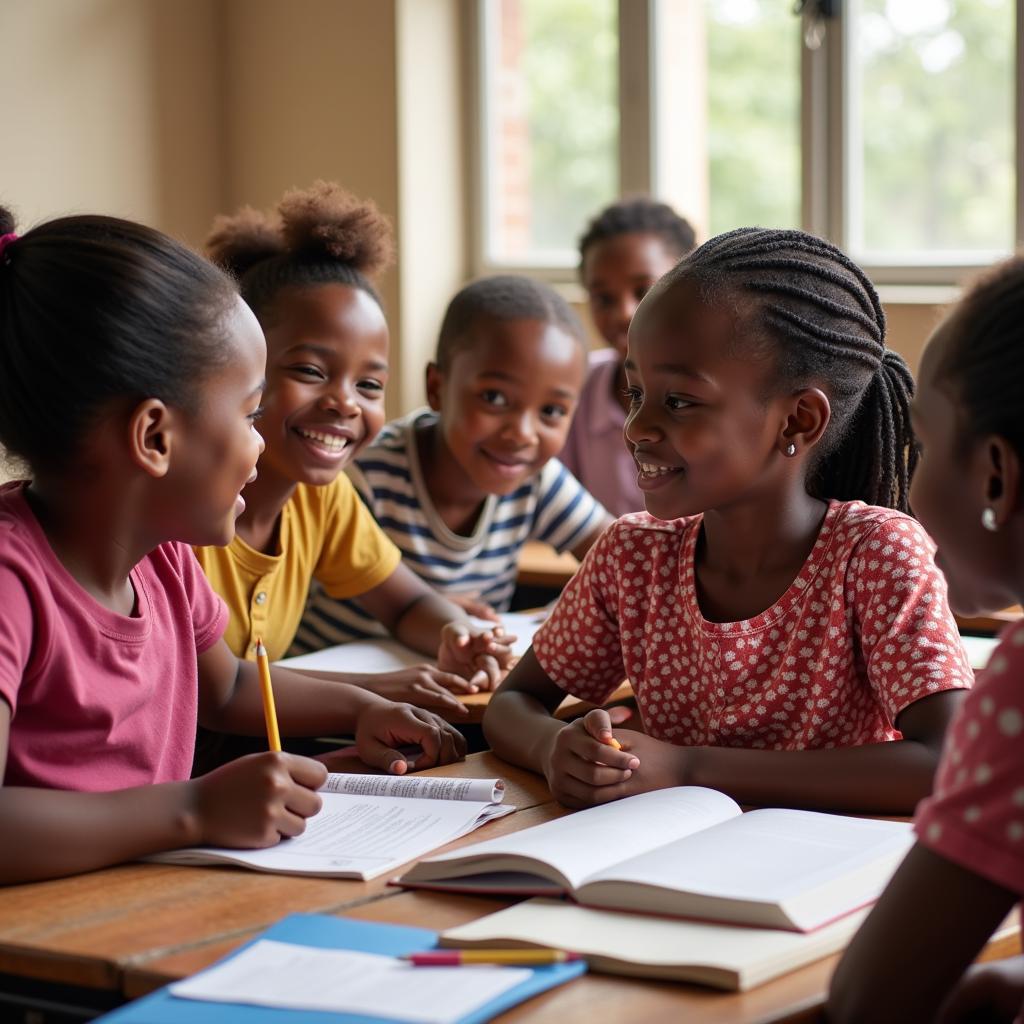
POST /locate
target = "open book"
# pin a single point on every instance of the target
(720, 955)
(687, 852)
(369, 825)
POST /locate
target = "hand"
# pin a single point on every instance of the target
(423, 685)
(990, 992)
(483, 656)
(383, 728)
(254, 801)
(582, 767)
(473, 605)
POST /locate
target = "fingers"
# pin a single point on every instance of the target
(598, 724)
(453, 682)
(492, 671)
(577, 739)
(380, 755)
(620, 714)
(431, 695)
(305, 770)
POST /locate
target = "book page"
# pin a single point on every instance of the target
(766, 856)
(583, 843)
(357, 836)
(289, 976)
(418, 787)
(390, 655)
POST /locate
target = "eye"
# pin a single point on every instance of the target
(373, 387)
(309, 371)
(256, 414)
(635, 395)
(554, 412)
(675, 404)
(491, 396)
(602, 300)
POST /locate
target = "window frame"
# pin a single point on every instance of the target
(825, 173)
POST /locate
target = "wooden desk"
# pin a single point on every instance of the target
(541, 566)
(571, 707)
(991, 623)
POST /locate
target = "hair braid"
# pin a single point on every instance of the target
(827, 323)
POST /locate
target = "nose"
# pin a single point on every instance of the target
(641, 425)
(340, 397)
(259, 440)
(521, 428)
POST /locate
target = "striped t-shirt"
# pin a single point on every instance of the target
(551, 506)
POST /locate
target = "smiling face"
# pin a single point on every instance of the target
(948, 494)
(219, 444)
(701, 430)
(617, 273)
(506, 400)
(326, 373)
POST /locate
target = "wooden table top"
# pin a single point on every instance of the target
(540, 565)
(133, 928)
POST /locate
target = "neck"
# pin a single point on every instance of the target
(98, 533)
(264, 499)
(764, 533)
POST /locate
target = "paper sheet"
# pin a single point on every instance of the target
(979, 649)
(427, 787)
(281, 974)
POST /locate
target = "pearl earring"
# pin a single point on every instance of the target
(988, 519)
(791, 449)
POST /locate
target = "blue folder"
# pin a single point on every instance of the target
(329, 933)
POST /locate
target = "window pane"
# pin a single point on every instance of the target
(551, 124)
(931, 130)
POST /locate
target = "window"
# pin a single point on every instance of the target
(888, 126)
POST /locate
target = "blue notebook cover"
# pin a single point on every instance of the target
(328, 933)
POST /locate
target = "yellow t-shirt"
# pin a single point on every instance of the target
(327, 534)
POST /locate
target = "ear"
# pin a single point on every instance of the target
(435, 382)
(150, 429)
(808, 415)
(999, 468)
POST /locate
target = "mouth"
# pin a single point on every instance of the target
(652, 475)
(508, 465)
(330, 444)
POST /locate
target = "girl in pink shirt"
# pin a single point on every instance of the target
(779, 615)
(907, 963)
(130, 381)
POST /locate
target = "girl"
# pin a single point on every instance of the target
(625, 249)
(460, 487)
(780, 634)
(306, 276)
(130, 379)
(967, 869)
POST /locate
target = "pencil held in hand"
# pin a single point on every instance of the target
(269, 712)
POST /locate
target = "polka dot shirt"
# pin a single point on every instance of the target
(976, 816)
(862, 632)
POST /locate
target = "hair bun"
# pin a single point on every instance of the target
(242, 240)
(325, 220)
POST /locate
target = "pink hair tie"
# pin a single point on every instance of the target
(5, 240)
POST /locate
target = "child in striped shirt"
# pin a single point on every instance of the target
(460, 487)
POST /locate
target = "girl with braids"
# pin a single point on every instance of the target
(306, 275)
(968, 492)
(624, 250)
(130, 383)
(780, 617)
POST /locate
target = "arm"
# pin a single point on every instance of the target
(930, 923)
(427, 622)
(581, 547)
(251, 803)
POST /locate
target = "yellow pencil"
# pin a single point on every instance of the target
(269, 712)
(460, 957)
(613, 743)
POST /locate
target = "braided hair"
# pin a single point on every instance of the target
(642, 216)
(983, 361)
(320, 235)
(824, 325)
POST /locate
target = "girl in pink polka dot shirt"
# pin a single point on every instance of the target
(780, 617)
(967, 870)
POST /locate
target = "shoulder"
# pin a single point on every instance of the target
(388, 455)
(639, 533)
(870, 528)
(22, 543)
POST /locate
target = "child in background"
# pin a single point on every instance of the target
(967, 869)
(788, 644)
(306, 275)
(459, 487)
(627, 247)
(130, 380)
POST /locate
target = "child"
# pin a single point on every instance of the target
(460, 487)
(967, 869)
(306, 277)
(130, 380)
(626, 248)
(779, 634)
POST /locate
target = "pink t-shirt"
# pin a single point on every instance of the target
(99, 701)
(975, 817)
(862, 632)
(595, 451)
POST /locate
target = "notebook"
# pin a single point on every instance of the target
(723, 956)
(323, 933)
(686, 852)
(368, 825)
